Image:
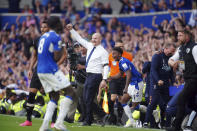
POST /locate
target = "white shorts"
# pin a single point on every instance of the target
(136, 91)
(1, 91)
(53, 82)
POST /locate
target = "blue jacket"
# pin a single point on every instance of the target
(146, 70)
(160, 70)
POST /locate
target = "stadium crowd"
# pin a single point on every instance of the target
(94, 6)
(16, 45)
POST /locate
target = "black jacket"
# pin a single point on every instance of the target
(185, 53)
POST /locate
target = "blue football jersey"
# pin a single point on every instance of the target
(48, 43)
(125, 65)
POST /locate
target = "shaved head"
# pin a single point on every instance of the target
(97, 34)
(96, 39)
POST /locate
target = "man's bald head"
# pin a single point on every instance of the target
(96, 39)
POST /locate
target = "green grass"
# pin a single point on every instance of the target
(11, 123)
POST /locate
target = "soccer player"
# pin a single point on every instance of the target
(35, 84)
(134, 84)
(53, 80)
(116, 86)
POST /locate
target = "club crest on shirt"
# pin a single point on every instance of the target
(187, 50)
(124, 66)
(166, 67)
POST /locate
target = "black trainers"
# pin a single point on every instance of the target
(100, 122)
(119, 122)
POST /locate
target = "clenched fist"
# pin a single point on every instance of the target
(69, 26)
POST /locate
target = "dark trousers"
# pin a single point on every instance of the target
(91, 88)
(187, 96)
(171, 109)
(159, 96)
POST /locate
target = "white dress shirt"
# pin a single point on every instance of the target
(98, 58)
(176, 56)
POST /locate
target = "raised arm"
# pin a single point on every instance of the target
(153, 22)
(78, 38)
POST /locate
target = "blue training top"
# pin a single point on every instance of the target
(48, 43)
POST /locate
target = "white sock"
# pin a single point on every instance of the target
(128, 112)
(64, 108)
(191, 118)
(48, 115)
(142, 108)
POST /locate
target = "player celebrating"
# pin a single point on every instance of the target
(52, 79)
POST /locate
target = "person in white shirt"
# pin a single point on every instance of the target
(97, 70)
(185, 59)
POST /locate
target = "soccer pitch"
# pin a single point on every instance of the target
(11, 123)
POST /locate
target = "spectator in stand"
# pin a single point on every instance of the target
(27, 10)
(37, 6)
(161, 6)
(87, 5)
(96, 8)
(14, 6)
(78, 20)
(126, 7)
(67, 6)
(12, 30)
(100, 28)
(113, 24)
(136, 6)
(183, 4)
(145, 8)
(30, 20)
(170, 4)
(107, 8)
(27, 43)
(107, 42)
(163, 25)
(54, 6)
(99, 18)
(44, 4)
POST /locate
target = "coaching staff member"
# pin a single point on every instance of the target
(186, 58)
(96, 64)
(161, 77)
